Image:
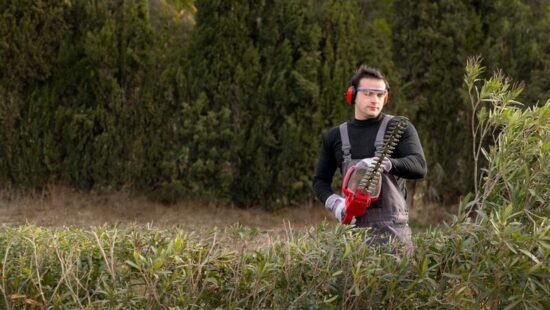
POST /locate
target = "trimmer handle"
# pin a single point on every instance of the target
(356, 202)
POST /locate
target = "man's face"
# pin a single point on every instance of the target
(370, 98)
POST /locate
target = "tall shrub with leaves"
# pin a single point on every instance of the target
(107, 55)
(517, 160)
(320, 44)
(342, 48)
(376, 38)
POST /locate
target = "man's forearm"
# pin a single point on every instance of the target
(322, 189)
(409, 167)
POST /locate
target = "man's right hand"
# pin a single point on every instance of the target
(337, 205)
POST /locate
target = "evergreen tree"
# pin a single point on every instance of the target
(30, 34)
(512, 41)
(106, 104)
(537, 88)
(307, 58)
(278, 111)
(343, 47)
(292, 89)
(85, 98)
(432, 41)
(223, 69)
(376, 36)
(101, 94)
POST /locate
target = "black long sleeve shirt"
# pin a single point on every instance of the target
(408, 161)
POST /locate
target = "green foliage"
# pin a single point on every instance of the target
(496, 263)
(514, 41)
(278, 78)
(90, 98)
(431, 43)
(31, 33)
(516, 163)
(537, 88)
(376, 37)
(224, 70)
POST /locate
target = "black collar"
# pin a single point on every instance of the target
(366, 122)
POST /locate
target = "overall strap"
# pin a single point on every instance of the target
(379, 142)
(346, 146)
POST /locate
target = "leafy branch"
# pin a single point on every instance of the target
(489, 100)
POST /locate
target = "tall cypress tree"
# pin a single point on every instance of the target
(307, 58)
(296, 91)
(512, 41)
(343, 47)
(432, 41)
(30, 33)
(108, 57)
(538, 89)
(377, 40)
(84, 94)
(277, 112)
(223, 69)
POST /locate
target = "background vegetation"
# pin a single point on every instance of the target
(494, 254)
(228, 99)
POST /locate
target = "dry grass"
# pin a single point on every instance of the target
(61, 206)
(66, 207)
(424, 215)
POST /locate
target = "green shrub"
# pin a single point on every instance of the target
(517, 161)
(498, 263)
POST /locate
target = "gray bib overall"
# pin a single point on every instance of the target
(388, 216)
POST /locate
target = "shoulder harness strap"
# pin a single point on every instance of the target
(346, 146)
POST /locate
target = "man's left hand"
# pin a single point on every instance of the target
(385, 164)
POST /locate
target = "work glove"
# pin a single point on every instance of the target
(385, 164)
(365, 163)
(337, 205)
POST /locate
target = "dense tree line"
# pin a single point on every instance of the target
(230, 103)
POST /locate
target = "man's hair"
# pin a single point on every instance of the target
(366, 72)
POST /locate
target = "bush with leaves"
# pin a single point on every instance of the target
(496, 262)
(517, 162)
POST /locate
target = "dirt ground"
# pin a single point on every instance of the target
(64, 207)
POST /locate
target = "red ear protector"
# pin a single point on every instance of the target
(351, 93)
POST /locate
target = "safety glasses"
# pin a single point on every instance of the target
(378, 92)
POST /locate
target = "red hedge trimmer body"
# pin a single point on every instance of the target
(357, 201)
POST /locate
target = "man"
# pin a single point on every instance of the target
(388, 216)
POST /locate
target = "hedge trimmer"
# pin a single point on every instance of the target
(362, 186)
